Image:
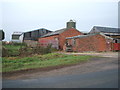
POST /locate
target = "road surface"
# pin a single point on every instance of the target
(97, 73)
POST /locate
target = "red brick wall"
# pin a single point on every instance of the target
(91, 43)
(68, 33)
(49, 40)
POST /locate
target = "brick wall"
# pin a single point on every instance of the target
(68, 33)
(45, 41)
(91, 43)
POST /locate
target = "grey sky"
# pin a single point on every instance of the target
(53, 14)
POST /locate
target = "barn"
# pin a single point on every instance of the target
(57, 38)
(31, 37)
(92, 42)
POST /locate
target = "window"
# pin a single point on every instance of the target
(15, 37)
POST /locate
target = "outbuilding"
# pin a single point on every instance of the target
(111, 32)
(92, 42)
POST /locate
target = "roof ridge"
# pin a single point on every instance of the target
(107, 27)
(55, 32)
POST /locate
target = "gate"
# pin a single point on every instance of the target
(116, 46)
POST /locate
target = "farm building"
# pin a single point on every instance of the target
(92, 42)
(16, 37)
(58, 37)
(31, 37)
(111, 32)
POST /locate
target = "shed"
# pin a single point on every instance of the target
(92, 42)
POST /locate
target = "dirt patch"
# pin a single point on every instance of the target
(101, 54)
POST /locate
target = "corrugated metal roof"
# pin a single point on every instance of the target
(55, 32)
(17, 33)
(82, 36)
(107, 29)
(37, 30)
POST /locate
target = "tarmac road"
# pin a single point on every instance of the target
(98, 73)
(102, 79)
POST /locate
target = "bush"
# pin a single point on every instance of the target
(19, 44)
(26, 51)
(21, 49)
(11, 49)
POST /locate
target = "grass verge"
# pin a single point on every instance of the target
(10, 64)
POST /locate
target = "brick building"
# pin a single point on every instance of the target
(111, 32)
(58, 38)
(91, 42)
(108, 31)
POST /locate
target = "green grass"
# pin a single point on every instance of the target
(40, 61)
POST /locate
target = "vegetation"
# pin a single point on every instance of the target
(18, 56)
(21, 49)
(11, 49)
(26, 51)
(40, 61)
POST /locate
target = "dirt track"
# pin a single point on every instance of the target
(102, 54)
(106, 62)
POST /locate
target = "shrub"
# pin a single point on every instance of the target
(11, 49)
(18, 44)
(26, 51)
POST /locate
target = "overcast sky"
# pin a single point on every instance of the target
(26, 15)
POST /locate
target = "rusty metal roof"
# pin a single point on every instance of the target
(55, 32)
